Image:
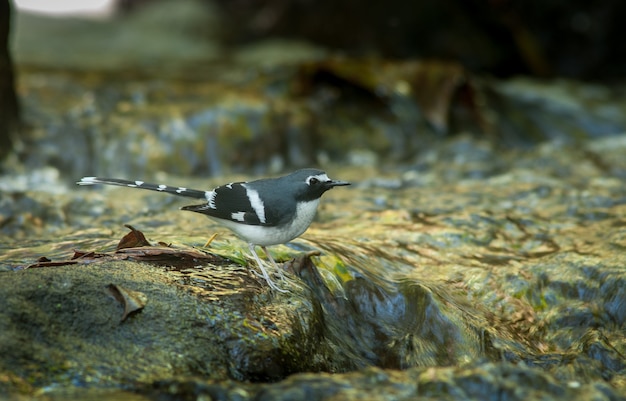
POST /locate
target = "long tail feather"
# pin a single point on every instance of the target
(180, 191)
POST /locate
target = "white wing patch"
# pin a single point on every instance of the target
(256, 203)
(161, 187)
(137, 183)
(239, 216)
(180, 190)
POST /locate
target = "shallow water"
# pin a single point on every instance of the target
(469, 268)
(523, 266)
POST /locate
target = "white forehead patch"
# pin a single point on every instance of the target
(319, 177)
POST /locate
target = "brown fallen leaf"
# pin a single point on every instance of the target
(84, 255)
(133, 239)
(177, 258)
(79, 257)
(132, 301)
(134, 246)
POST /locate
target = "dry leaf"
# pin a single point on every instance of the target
(132, 301)
(133, 239)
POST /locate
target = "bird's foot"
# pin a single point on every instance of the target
(264, 273)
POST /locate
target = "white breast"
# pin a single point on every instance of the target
(264, 236)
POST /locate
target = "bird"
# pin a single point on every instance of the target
(263, 212)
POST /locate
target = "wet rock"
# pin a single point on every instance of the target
(60, 325)
(489, 381)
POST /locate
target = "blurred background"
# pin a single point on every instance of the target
(202, 87)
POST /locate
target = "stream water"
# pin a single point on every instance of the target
(468, 269)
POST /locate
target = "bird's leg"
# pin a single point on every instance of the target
(263, 271)
(269, 256)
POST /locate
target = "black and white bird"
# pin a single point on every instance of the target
(264, 212)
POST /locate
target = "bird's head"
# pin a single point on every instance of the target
(310, 184)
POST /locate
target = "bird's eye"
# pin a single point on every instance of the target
(313, 181)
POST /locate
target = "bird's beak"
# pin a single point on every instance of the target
(336, 183)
